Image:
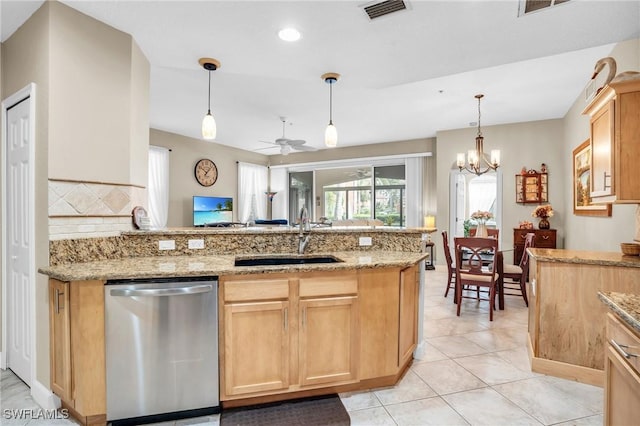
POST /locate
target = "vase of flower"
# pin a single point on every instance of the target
(544, 223)
(543, 213)
(481, 230)
(481, 218)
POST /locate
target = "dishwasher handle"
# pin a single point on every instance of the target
(162, 291)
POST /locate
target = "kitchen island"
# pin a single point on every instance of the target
(285, 331)
(567, 321)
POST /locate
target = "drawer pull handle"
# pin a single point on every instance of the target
(545, 237)
(621, 349)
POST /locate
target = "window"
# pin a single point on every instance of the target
(348, 194)
(300, 194)
(390, 198)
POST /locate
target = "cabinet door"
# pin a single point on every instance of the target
(60, 340)
(329, 340)
(256, 347)
(408, 333)
(602, 136)
(622, 388)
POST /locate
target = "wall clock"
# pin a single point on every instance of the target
(206, 172)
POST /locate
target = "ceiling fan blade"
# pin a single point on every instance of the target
(303, 148)
(296, 142)
(270, 143)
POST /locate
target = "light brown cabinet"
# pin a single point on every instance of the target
(76, 326)
(615, 143)
(314, 332)
(59, 327)
(288, 333)
(622, 376)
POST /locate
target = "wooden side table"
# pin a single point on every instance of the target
(429, 265)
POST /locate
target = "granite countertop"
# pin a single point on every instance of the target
(627, 306)
(585, 257)
(217, 265)
(278, 229)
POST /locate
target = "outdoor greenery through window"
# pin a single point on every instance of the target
(353, 194)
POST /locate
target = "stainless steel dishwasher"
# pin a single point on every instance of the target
(161, 349)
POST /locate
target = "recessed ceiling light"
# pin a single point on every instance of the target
(289, 34)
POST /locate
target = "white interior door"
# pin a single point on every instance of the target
(19, 274)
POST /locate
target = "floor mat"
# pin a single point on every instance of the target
(318, 411)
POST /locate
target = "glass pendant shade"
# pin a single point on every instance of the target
(331, 136)
(209, 128)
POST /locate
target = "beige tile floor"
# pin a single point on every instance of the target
(475, 372)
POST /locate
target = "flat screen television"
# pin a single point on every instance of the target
(212, 210)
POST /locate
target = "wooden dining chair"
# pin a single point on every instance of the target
(471, 270)
(514, 277)
(451, 269)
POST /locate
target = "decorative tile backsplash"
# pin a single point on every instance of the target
(90, 209)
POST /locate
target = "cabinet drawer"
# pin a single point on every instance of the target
(237, 291)
(328, 286)
(545, 239)
(625, 339)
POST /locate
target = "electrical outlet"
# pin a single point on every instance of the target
(196, 244)
(365, 241)
(166, 245)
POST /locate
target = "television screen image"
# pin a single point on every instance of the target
(208, 210)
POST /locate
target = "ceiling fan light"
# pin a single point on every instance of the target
(285, 149)
(209, 128)
(331, 136)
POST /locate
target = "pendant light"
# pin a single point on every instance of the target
(477, 156)
(209, 128)
(331, 133)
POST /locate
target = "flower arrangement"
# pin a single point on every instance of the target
(543, 211)
(481, 216)
(525, 224)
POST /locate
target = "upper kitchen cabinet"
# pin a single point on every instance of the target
(615, 142)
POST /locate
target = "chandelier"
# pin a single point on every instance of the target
(477, 156)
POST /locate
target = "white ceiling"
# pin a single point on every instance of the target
(404, 76)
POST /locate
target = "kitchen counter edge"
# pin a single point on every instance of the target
(626, 306)
(218, 265)
(585, 257)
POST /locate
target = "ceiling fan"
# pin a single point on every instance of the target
(287, 145)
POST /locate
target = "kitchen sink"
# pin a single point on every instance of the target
(284, 260)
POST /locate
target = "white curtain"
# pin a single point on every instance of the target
(158, 186)
(414, 175)
(252, 185)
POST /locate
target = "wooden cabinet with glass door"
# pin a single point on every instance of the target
(615, 143)
(532, 188)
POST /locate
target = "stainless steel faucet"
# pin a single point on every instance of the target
(305, 229)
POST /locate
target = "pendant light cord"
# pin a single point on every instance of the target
(209, 109)
(331, 102)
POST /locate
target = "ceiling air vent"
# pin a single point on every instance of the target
(528, 6)
(383, 8)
